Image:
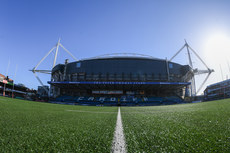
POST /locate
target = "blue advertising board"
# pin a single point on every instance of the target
(120, 83)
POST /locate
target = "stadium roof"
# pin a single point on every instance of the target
(122, 55)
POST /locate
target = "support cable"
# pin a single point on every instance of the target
(177, 53)
(198, 57)
(40, 82)
(201, 86)
(44, 58)
(68, 52)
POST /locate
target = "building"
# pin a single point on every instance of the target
(9, 89)
(220, 90)
(6, 85)
(42, 91)
(120, 80)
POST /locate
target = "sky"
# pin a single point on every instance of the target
(88, 28)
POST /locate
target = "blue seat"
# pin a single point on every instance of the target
(173, 99)
(153, 99)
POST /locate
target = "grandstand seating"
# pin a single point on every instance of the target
(115, 101)
(172, 100)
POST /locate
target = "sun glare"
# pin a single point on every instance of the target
(217, 47)
(217, 55)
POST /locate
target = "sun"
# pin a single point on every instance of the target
(217, 47)
(216, 53)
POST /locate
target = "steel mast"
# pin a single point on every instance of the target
(56, 48)
(196, 71)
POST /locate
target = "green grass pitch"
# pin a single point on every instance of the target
(27, 126)
(40, 127)
(200, 127)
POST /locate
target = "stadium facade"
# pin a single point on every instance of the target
(220, 90)
(120, 80)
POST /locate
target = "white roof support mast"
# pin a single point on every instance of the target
(193, 83)
(195, 71)
(56, 53)
(57, 46)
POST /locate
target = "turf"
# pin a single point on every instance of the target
(40, 127)
(200, 127)
(27, 126)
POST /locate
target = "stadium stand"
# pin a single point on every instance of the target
(115, 101)
(219, 90)
(119, 81)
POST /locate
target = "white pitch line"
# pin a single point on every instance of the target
(81, 111)
(119, 145)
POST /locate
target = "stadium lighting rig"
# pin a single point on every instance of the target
(194, 71)
(54, 49)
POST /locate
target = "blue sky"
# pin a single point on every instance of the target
(87, 28)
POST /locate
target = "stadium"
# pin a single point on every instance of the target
(132, 86)
(117, 80)
(120, 80)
